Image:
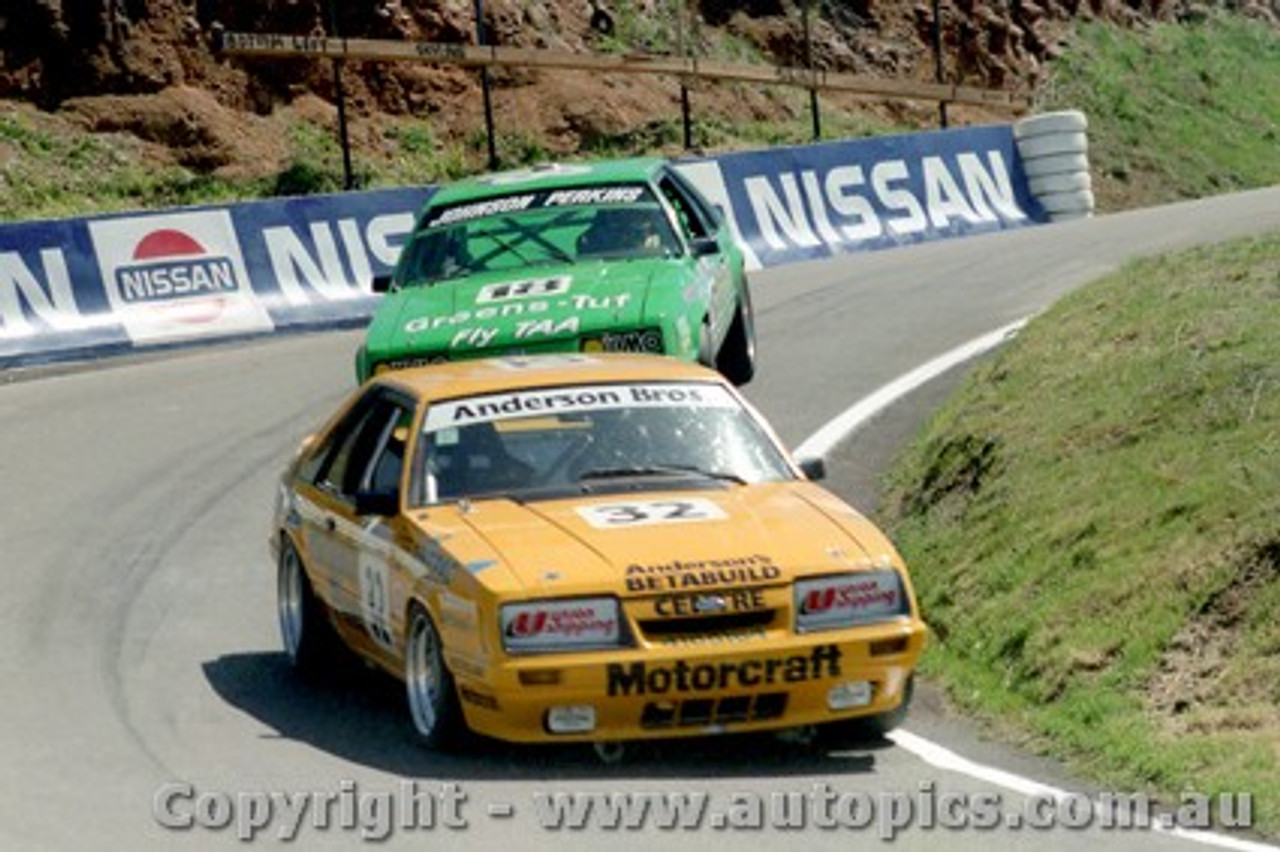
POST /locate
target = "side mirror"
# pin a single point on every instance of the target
(814, 468)
(381, 283)
(703, 246)
(383, 503)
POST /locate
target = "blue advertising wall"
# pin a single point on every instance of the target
(95, 286)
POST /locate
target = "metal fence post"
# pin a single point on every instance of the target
(484, 87)
(808, 61)
(939, 75)
(348, 177)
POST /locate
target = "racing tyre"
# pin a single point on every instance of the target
(1050, 124)
(433, 700)
(1067, 202)
(706, 345)
(1055, 145)
(309, 638)
(1055, 164)
(1069, 217)
(737, 357)
(602, 22)
(1065, 182)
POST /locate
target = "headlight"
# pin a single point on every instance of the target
(642, 340)
(847, 600)
(564, 624)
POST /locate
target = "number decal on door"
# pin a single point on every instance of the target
(375, 599)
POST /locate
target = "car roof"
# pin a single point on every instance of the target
(550, 176)
(450, 380)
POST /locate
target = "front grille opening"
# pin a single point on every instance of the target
(707, 623)
(700, 712)
(697, 711)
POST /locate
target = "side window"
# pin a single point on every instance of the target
(364, 447)
(388, 459)
(323, 457)
(697, 219)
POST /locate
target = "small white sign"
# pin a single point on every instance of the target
(524, 289)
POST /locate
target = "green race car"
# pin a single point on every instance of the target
(623, 255)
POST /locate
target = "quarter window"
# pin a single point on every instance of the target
(366, 450)
(694, 217)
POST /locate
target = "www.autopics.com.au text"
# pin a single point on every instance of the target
(412, 806)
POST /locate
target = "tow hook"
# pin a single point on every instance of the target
(610, 751)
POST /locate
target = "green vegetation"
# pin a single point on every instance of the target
(43, 175)
(672, 32)
(46, 175)
(1093, 523)
(714, 133)
(1175, 111)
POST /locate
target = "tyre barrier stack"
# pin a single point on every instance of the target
(1054, 149)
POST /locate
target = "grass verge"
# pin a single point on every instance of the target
(1093, 523)
(1175, 110)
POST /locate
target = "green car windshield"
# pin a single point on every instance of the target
(537, 228)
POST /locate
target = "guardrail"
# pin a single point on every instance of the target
(96, 286)
(689, 68)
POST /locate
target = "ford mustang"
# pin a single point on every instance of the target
(621, 255)
(590, 548)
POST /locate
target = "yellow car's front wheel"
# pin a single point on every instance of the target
(433, 700)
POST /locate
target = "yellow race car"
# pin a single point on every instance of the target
(587, 548)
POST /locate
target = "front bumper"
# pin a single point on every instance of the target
(657, 339)
(760, 684)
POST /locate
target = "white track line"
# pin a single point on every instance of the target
(946, 759)
(846, 423)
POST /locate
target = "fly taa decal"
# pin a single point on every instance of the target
(639, 678)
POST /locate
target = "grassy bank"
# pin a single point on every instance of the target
(49, 168)
(1093, 523)
(1175, 110)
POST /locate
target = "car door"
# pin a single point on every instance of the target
(352, 551)
(700, 222)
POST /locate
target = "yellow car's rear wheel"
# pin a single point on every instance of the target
(433, 700)
(308, 637)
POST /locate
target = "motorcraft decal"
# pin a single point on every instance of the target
(640, 678)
